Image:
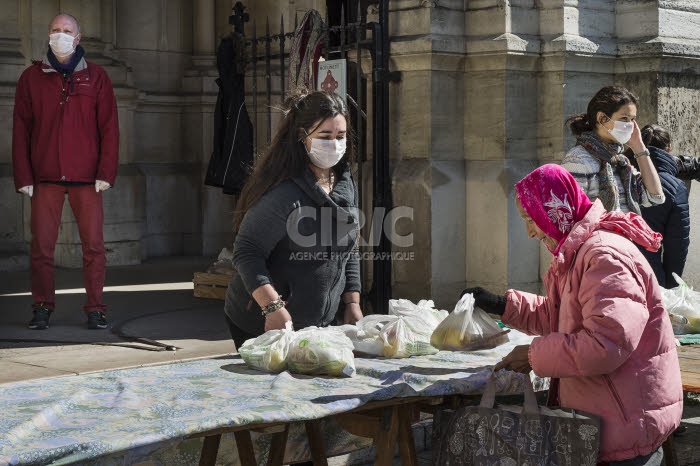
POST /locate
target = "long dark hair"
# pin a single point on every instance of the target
(286, 157)
(656, 136)
(607, 100)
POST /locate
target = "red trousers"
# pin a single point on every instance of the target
(47, 206)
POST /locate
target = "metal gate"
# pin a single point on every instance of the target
(268, 58)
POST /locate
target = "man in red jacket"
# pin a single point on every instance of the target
(65, 141)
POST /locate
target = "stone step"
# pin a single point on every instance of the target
(12, 262)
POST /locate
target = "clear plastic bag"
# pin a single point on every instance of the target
(683, 307)
(268, 352)
(468, 328)
(408, 336)
(367, 339)
(425, 309)
(318, 351)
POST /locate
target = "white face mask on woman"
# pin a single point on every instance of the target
(326, 153)
(622, 131)
(61, 44)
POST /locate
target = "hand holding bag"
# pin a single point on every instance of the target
(514, 435)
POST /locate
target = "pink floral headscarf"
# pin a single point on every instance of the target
(553, 199)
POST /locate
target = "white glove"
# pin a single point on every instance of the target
(101, 186)
(28, 190)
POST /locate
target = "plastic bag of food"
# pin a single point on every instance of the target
(318, 351)
(373, 324)
(683, 307)
(468, 328)
(268, 352)
(365, 334)
(424, 308)
(408, 336)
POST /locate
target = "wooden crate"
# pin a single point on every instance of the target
(211, 285)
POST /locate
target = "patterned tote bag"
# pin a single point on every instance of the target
(488, 435)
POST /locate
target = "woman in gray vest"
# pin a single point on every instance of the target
(297, 225)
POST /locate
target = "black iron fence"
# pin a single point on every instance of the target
(359, 42)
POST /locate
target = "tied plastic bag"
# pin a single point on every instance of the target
(425, 309)
(408, 336)
(468, 328)
(366, 334)
(683, 307)
(318, 351)
(268, 352)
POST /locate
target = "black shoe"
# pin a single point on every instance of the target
(97, 320)
(40, 321)
(680, 431)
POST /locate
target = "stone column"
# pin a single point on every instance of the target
(108, 25)
(500, 108)
(204, 39)
(426, 147)
(198, 117)
(659, 48)
(577, 58)
(15, 55)
(123, 205)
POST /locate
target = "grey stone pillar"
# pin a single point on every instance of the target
(15, 54)
(577, 57)
(659, 48)
(204, 28)
(200, 80)
(426, 148)
(123, 204)
(500, 106)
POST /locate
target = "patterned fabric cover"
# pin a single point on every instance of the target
(143, 415)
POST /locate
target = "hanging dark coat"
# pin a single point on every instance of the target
(232, 156)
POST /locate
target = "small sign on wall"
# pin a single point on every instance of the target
(332, 77)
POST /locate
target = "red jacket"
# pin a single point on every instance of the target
(64, 131)
(607, 337)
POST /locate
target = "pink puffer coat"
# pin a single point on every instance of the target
(606, 335)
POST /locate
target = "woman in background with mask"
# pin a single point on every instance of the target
(597, 161)
(297, 225)
(672, 218)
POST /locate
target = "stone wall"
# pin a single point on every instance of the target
(160, 57)
(485, 88)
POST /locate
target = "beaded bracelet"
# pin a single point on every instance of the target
(272, 306)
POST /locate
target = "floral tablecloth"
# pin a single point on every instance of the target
(143, 415)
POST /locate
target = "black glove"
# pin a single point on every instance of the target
(489, 302)
(688, 167)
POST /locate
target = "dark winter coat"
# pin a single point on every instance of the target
(232, 155)
(671, 219)
(285, 240)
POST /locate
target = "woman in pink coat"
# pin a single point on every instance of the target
(603, 334)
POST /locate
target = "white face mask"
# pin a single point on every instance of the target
(326, 153)
(61, 44)
(622, 131)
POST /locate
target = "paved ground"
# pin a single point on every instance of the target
(155, 300)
